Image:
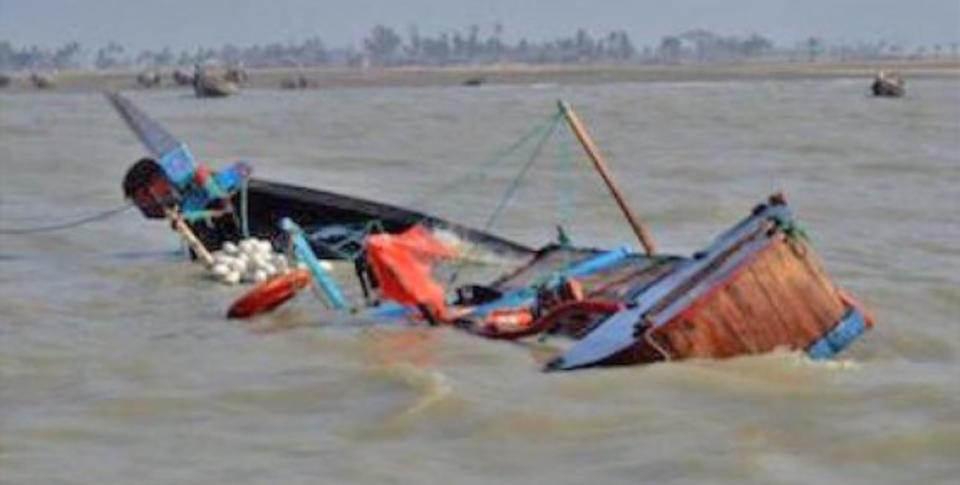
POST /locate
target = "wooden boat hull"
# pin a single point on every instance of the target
(759, 287)
(338, 215)
(169, 181)
(779, 298)
(889, 88)
(206, 87)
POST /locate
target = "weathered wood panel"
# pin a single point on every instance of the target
(780, 297)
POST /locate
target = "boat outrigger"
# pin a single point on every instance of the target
(757, 287)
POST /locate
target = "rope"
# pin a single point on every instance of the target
(99, 216)
(515, 183)
(486, 167)
(566, 179)
(371, 227)
(550, 128)
(793, 230)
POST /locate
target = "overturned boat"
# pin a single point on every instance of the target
(229, 204)
(757, 287)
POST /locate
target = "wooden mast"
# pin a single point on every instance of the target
(645, 240)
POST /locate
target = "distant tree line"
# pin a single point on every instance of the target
(384, 46)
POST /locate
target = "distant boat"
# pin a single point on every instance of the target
(182, 77)
(237, 75)
(148, 78)
(299, 82)
(889, 85)
(207, 84)
(42, 80)
(5, 80)
(474, 81)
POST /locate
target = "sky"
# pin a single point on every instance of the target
(188, 24)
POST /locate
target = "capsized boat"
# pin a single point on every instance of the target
(228, 204)
(757, 287)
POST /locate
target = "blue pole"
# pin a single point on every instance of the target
(303, 252)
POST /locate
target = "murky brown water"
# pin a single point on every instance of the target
(116, 365)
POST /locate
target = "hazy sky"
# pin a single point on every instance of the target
(186, 24)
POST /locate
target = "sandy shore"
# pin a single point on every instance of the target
(520, 74)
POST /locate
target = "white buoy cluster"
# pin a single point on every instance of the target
(248, 261)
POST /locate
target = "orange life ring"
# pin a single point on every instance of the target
(270, 294)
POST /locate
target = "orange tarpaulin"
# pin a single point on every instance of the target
(401, 264)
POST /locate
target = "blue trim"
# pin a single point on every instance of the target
(179, 165)
(597, 263)
(302, 250)
(850, 327)
(389, 310)
(231, 177)
(527, 296)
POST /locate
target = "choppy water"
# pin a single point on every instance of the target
(116, 365)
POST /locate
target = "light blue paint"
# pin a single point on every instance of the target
(840, 336)
(179, 165)
(527, 296)
(303, 252)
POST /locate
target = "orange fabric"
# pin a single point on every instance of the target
(400, 265)
(419, 240)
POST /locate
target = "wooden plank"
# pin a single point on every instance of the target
(819, 300)
(783, 333)
(790, 297)
(754, 305)
(780, 299)
(774, 276)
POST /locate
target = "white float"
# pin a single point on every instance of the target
(250, 260)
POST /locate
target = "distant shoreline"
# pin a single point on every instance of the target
(418, 76)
